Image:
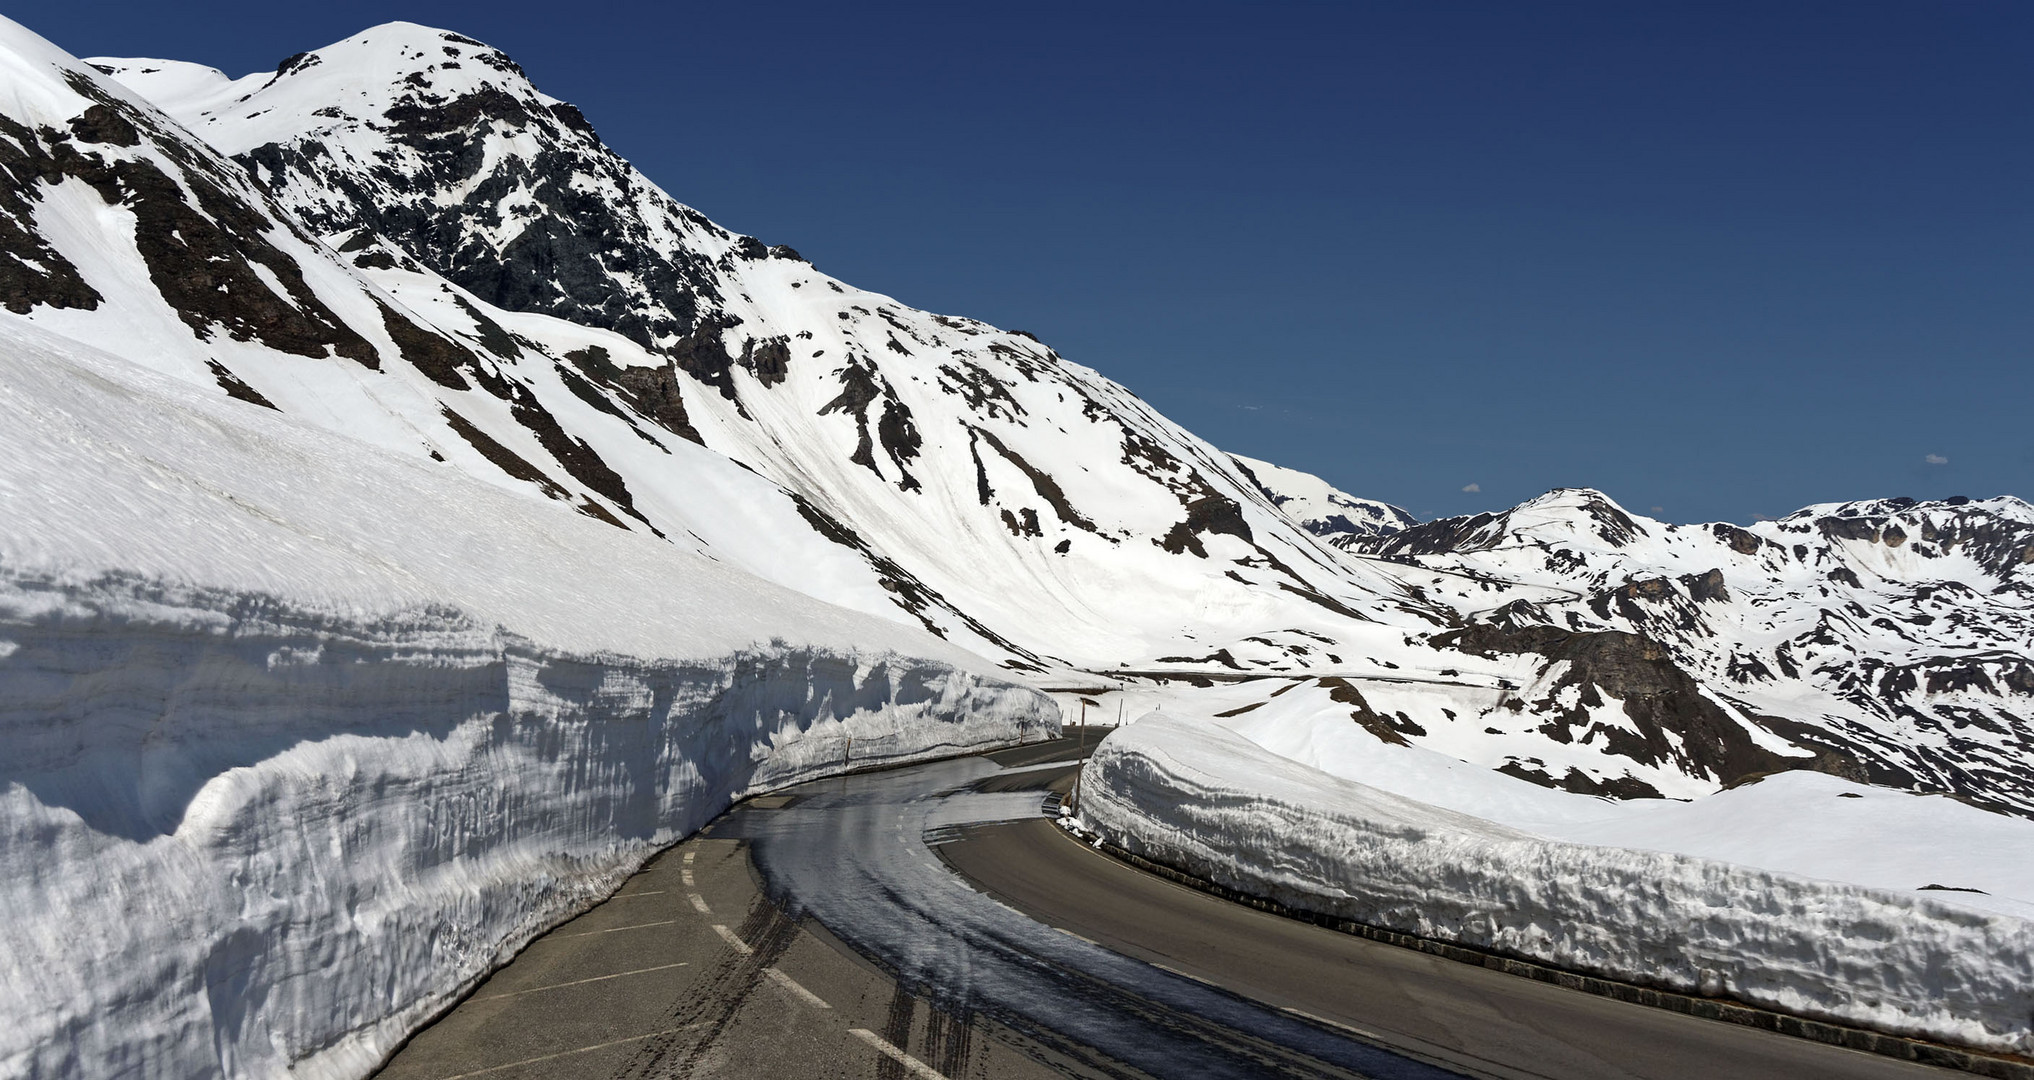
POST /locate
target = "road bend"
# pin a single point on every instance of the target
(931, 922)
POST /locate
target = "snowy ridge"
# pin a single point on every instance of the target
(1205, 800)
(303, 736)
(999, 494)
(1893, 639)
(1320, 507)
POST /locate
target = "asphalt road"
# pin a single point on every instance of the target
(930, 922)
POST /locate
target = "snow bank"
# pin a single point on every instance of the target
(299, 738)
(1204, 799)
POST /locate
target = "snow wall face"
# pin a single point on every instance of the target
(1207, 801)
(239, 839)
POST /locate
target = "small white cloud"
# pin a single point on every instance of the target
(1936, 459)
(1472, 488)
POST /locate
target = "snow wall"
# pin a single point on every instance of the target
(1202, 799)
(242, 840)
(299, 738)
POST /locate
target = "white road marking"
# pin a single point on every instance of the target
(1360, 1033)
(699, 903)
(733, 939)
(578, 982)
(1078, 937)
(685, 875)
(688, 857)
(618, 929)
(645, 892)
(917, 1067)
(569, 1053)
(1198, 979)
(797, 991)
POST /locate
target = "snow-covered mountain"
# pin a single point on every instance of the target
(981, 484)
(485, 284)
(384, 355)
(300, 735)
(1894, 638)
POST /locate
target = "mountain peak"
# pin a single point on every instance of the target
(363, 79)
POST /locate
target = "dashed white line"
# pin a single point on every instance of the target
(688, 857)
(733, 939)
(917, 1067)
(569, 1053)
(685, 875)
(797, 991)
(578, 982)
(617, 929)
(699, 903)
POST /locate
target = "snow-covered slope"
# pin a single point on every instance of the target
(937, 470)
(1004, 496)
(1197, 797)
(302, 737)
(327, 678)
(1320, 507)
(1893, 638)
(442, 382)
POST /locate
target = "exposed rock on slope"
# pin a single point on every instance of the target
(1335, 516)
(1894, 638)
(562, 326)
(995, 492)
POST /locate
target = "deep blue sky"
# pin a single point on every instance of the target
(1719, 259)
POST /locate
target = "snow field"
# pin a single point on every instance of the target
(303, 736)
(1210, 802)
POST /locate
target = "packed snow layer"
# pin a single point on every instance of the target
(1199, 797)
(299, 738)
(1800, 822)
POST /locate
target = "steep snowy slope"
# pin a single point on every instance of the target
(973, 481)
(299, 738)
(1334, 515)
(122, 231)
(300, 734)
(1003, 496)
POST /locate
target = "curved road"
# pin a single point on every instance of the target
(1111, 967)
(931, 923)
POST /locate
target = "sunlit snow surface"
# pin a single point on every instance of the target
(196, 590)
(304, 737)
(1196, 796)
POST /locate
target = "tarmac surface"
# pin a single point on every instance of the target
(931, 922)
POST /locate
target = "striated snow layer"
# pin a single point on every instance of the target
(303, 737)
(1202, 798)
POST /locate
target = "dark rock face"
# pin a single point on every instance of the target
(1041, 482)
(1391, 729)
(583, 253)
(201, 250)
(1211, 513)
(1659, 698)
(1704, 588)
(863, 385)
(32, 273)
(652, 392)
